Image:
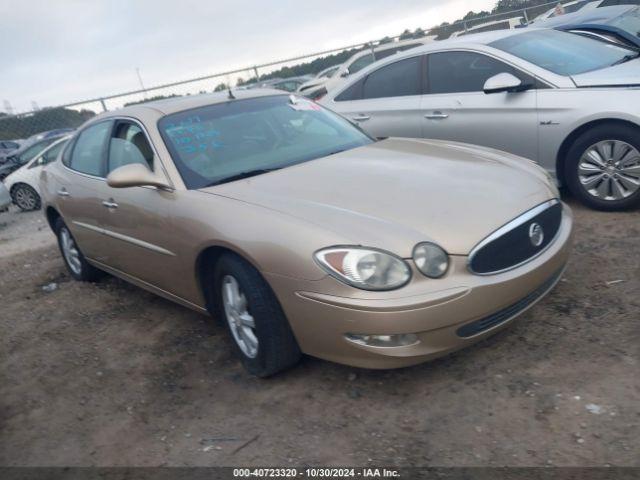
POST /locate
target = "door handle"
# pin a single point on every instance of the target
(436, 116)
(63, 192)
(361, 118)
(110, 204)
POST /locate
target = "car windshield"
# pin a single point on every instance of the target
(629, 22)
(240, 138)
(30, 153)
(562, 53)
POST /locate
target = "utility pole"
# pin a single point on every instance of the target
(140, 80)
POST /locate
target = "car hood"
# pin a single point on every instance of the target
(9, 166)
(398, 192)
(625, 74)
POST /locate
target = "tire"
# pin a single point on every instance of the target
(25, 197)
(603, 180)
(78, 267)
(276, 348)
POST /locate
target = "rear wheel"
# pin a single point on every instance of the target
(73, 258)
(602, 167)
(260, 331)
(25, 197)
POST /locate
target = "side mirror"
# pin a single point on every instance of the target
(37, 163)
(345, 74)
(503, 82)
(135, 175)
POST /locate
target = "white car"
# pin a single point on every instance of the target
(23, 183)
(319, 79)
(568, 102)
(359, 61)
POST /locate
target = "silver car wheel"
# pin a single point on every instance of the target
(610, 170)
(25, 198)
(70, 251)
(241, 323)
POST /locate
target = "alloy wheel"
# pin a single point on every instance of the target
(241, 322)
(70, 251)
(25, 198)
(610, 170)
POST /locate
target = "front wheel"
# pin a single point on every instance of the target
(260, 331)
(73, 258)
(602, 167)
(25, 197)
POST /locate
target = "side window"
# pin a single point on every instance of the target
(88, 152)
(399, 79)
(354, 92)
(51, 154)
(457, 72)
(129, 145)
(66, 155)
(360, 63)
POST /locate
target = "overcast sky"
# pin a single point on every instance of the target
(56, 52)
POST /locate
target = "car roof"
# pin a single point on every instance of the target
(471, 39)
(596, 15)
(387, 46)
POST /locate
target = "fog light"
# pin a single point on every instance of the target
(401, 340)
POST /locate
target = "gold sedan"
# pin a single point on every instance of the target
(304, 235)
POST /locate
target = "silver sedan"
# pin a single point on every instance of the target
(570, 103)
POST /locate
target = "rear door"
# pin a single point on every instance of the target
(456, 107)
(387, 102)
(81, 186)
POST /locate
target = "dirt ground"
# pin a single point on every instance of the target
(107, 374)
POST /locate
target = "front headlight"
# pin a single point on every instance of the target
(431, 259)
(364, 268)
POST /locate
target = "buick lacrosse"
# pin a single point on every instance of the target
(301, 233)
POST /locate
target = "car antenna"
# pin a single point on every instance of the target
(231, 96)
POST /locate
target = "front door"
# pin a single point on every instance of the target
(456, 107)
(138, 220)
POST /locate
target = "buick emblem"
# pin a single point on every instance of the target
(536, 234)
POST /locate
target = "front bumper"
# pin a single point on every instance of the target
(446, 314)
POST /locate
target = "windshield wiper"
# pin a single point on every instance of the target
(242, 175)
(626, 58)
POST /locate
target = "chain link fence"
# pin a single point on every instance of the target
(25, 125)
